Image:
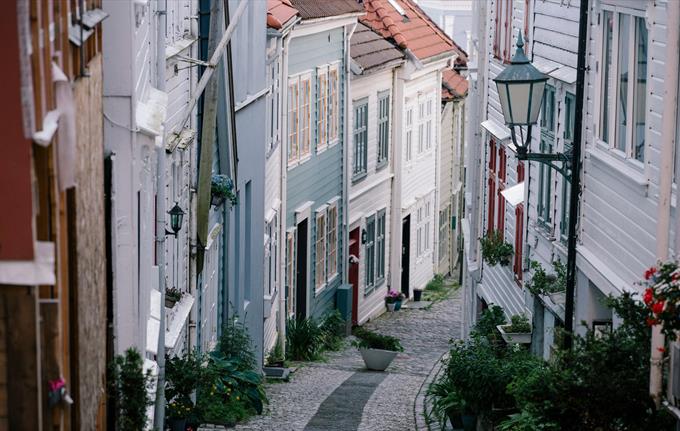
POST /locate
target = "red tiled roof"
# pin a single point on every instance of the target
(279, 12)
(414, 31)
(310, 9)
(454, 85)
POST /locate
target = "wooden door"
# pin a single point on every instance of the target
(354, 250)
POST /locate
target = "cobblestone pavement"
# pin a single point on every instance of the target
(331, 395)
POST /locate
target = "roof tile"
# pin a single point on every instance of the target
(310, 9)
(279, 12)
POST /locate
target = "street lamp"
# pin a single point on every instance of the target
(520, 89)
(176, 217)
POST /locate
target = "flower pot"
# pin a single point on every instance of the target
(397, 305)
(170, 302)
(455, 419)
(514, 337)
(177, 424)
(559, 298)
(376, 359)
(417, 295)
(216, 200)
(391, 306)
(469, 422)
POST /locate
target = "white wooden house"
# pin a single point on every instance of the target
(374, 63)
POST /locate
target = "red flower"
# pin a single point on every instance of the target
(661, 349)
(651, 322)
(657, 308)
(648, 296)
(651, 271)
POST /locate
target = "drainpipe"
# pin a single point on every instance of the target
(668, 130)
(283, 241)
(159, 411)
(349, 30)
(437, 173)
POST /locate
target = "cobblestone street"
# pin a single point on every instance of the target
(339, 394)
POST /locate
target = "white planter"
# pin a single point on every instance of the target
(390, 307)
(514, 337)
(559, 298)
(376, 359)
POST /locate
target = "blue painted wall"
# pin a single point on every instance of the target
(320, 178)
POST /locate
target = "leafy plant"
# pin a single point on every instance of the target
(173, 294)
(486, 326)
(333, 331)
(223, 187)
(129, 390)
(304, 339)
(446, 401)
(662, 297)
(393, 296)
(543, 283)
(495, 250)
(183, 374)
(519, 324)
(235, 343)
(371, 340)
(276, 355)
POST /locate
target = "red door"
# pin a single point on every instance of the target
(354, 249)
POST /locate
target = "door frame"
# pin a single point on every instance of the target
(355, 235)
(303, 213)
(406, 253)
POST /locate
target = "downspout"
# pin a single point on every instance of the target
(283, 105)
(437, 173)
(397, 154)
(159, 411)
(345, 156)
(668, 130)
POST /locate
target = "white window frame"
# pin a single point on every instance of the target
(610, 141)
(360, 146)
(383, 128)
(334, 103)
(380, 245)
(293, 140)
(419, 232)
(320, 249)
(428, 124)
(370, 253)
(408, 156)
(322, 108)
(273, 116)
(421, 126)
(428, 215)
(290, 271)
(332, 240)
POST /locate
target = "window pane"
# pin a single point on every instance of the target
(606, 74)
(640, 88)
(623, 73)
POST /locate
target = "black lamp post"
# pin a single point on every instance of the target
(520, 89)
(176, 218)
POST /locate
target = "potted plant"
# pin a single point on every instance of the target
(221, 188)
(495, 250)
(378, 351)
(518, 331)
(172, 296)
(551, 285)
(446, 403)
(183, 374)
(391, 300)
(398, 302)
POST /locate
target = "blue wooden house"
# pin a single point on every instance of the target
(315, 163)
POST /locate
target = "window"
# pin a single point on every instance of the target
(369, 266)
(428, 126)
(419, 233)
(299, 117)
(500, 180)
(360, 138)
(569, 108)
(502, 41)
(332, 240)
(322, 106)
(290, 271)
(624, 83)
(334, 106)
(383, 128)
(271, 255)
(444, 221)
(380, 247)
(491, 192)
(320, 250)
(272, 105)
(519, 230)
(409, 134)
(547, 143)
(428, 212)
(421, 127)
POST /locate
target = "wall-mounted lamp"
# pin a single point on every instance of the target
(364, 236)
(176, 218)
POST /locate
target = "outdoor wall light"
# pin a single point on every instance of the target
(176, 218)
(520, 90)
(364, 236)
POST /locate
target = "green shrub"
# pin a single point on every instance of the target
(445, 400)
(235, 343)
(129, 390)
(276, 355)
(543, 283)
(304, 339)
(333, 331)
(519, 324)
(371, 340)
(487, 323)
(183, 374)
(495, 250)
